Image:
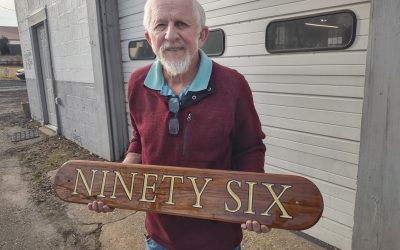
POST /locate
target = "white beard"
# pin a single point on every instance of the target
(174, 67)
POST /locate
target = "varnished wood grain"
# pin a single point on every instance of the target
(301, 202)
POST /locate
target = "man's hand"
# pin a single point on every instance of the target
(99, 207)
(255, 226)
(133, 158)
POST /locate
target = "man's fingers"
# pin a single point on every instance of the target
(265, 229)
(249, 225)
(99, 207)
(256, 227)
(95, 206)
(107, 209)
(104, 208)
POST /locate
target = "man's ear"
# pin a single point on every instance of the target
(203, 36)
(147, 36)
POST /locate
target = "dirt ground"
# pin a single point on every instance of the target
(33, 218)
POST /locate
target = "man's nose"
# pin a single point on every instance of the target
(171, 33)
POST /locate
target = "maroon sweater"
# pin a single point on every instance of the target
(219, 129)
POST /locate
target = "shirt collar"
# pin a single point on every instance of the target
(155, 78)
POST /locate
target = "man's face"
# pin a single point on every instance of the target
(175, 34)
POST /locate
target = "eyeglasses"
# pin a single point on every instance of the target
(173, 124)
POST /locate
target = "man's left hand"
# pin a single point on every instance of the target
(255, 226)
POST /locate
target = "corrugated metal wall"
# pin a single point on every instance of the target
(310, 104)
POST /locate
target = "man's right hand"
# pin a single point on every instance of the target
(99, 207)
(133, 158)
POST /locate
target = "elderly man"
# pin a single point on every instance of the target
(187, 110)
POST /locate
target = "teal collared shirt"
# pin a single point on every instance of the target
(155, 78)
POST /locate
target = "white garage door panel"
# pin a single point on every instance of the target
(313, 139)
(329, 165)
(311, 172)
(132, 34)
(131, 21)
(209, 6)
(340, 204)
(336, 80)
(352, 70)
(315, 102)
(224, 8)
(321, 90)
(315, 150)
(334, 131)
(127, 8)
(317, 58)
(128, 66)
(321, 116)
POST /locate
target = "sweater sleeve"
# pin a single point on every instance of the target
(135, 145)
(248, 152)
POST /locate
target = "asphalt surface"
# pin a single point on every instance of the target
(12, 86)
(22, 226)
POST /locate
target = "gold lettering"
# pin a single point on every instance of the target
(196, 190)
(101, 195)
(250, 204)
(171, 187)
(145, 187)
(277, 201)
(234, 196)
(127, 192)
(80, 173)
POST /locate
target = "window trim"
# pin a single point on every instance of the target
(223, 43)
(139, 59)
(348, 45)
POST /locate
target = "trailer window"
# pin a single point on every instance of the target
(215, 44)
(326, 31)
(140, 50)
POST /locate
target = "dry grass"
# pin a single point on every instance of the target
(8, 72)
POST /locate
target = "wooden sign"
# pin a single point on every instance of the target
(278, 201)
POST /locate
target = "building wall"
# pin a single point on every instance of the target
(309, 103)
(71, 55)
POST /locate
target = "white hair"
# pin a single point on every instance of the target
(197, 10)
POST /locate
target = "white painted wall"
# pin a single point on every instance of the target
(310, 104)
(82, 99)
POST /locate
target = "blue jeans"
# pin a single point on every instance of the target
(152, 245)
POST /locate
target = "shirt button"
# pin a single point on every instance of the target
(194, 97)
